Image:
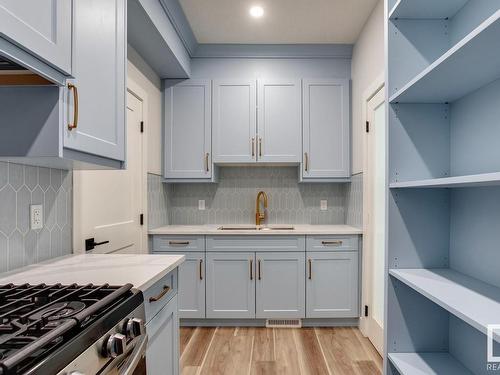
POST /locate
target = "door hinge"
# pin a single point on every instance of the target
(366, 310)
(142, 126)
(368, 126)
(141, 219)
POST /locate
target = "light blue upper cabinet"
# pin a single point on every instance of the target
(99, 62)
(188, 130)
(234, 121)
(280, 289)
(326, 129)
(42, 27)
(279, 121)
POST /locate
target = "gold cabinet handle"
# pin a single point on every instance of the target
(74, 125)
(260, 147)
(253, 147)
(309, 261)
(201, 269)
(251, 269)
(165, 290)
(306, 161)
(180, 243)
(331, 243)
(206, 162)
(258, 268)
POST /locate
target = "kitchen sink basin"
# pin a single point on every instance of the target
(255, 227)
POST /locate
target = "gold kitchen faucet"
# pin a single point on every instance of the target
(260, 216)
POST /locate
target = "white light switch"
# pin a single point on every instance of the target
(201, 205)
(323, 205)
(36, 215)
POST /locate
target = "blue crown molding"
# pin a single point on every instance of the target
(274, 51)
(178, 18)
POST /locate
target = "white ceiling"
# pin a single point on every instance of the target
(284, 21)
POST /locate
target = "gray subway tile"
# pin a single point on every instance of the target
(16, 176)
(8, 211)
(23, 210)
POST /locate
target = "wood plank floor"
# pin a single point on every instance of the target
(267, 351)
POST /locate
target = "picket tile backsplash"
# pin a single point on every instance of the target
(21, 186)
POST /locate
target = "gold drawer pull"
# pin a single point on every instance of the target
(331, 243)
(74, 125)
(181, 243)
(206, 162)
(306, 162)
(165, 290)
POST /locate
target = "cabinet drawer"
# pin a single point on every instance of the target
(156, 297)
(255, 243)
(175, 244)
(332, 243)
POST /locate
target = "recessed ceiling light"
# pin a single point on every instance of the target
(256, 11)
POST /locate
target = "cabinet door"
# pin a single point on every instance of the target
(280, 286)
(192, 286)
(279, 121)
(234, 121)
(99, 58)
(332, 285)
(42, 27)
(230, 285)
(326, 129)
(188, 130)
(162, 355)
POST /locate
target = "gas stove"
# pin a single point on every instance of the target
(46, 329)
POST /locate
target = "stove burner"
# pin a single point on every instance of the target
(58, 311)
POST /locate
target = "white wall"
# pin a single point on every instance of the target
(367, 65)
(146, 78)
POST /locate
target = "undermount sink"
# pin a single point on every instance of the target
(256, 227)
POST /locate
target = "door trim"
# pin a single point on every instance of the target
(136, 90)
(366, 292)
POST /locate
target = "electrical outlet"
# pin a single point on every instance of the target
(36, 215)
(323, 205)
(201, 205)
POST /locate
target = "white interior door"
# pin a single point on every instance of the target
(375, 214)
(108, 204)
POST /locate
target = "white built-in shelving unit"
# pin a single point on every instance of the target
(443, 254)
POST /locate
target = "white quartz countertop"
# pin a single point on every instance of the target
(140, 270)
(299, 229)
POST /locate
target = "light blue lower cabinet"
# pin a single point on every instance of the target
(230, 289)
(162, 356)
(332, 285)
(280, 289)
(191, 295)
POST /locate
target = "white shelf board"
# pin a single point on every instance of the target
(470, 64)
(426, 9)
(427, 364)
(469, 299)
(475, 180)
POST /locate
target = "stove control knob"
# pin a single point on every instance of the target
(134, 327)
(115, 345)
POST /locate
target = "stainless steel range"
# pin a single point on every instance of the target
(71, 329)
